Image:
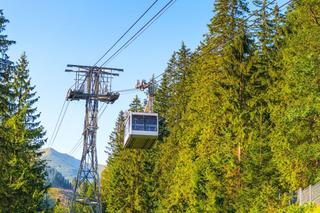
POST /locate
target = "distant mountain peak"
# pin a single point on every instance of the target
(48, 150)
(66, 164)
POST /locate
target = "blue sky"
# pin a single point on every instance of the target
(59, 32)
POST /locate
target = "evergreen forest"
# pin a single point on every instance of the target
(239, 118)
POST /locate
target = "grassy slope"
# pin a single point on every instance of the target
(63, 195)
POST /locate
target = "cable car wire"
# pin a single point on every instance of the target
(101, 112)
(76, 146)
(129, 42)
(143, 28)
(137, 34)
(50, 143)
(126, 90)
(126, 32)
(59, 123)
(56, 125)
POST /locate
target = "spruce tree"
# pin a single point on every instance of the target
(6, 71)
(25, 175)
(259, 171)
(5, 96)
(112, 191)
(170, 104)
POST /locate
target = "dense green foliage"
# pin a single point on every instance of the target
(22, 172)
(239, 118)
(125, 183)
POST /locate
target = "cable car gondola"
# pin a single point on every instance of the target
(141, 130)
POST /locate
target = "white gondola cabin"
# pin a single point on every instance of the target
(141, 130)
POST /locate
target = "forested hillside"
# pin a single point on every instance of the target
(56, 179)
(239, 118)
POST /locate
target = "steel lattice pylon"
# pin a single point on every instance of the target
(92, 84)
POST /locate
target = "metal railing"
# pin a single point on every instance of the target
(311, 194)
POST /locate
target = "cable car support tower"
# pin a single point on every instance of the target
(92, 84)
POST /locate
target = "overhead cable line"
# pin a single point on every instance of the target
(76, 146)
(56, 125)
(101, 112)
(59, 122)
(127, 31)
(143, 28)
(126, 90)
(135, 36)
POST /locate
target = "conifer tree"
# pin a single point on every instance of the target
(113, 192)
(5, 95)
(170, 104)
(181, 75)
(25, 175)
(161, 105)
(6, 71)
(260, 173)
